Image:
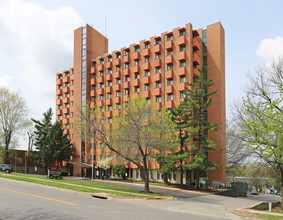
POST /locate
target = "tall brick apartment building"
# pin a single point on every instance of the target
(157, 68)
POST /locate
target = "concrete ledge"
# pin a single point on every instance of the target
(102, 196)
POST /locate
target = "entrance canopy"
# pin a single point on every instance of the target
(80, 164)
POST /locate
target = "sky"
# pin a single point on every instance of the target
(36, 37)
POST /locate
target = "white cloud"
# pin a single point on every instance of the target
(270, 48)
(6, 81)
(40, 40)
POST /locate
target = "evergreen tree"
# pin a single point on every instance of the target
(196, 102)
(51, 144)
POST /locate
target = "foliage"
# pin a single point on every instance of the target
(105, 163)
(50, 141)
(137, 133)
(13, 118)
(119, 169)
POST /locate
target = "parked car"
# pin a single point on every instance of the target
(254, 192)
(6, 168)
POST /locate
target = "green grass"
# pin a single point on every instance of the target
(154, 184)
(268, 217)
(79, 186)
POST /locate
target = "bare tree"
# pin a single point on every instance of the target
(13, 118)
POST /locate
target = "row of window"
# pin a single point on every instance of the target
(137, 76)
(146, 45)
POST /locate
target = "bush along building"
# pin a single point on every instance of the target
(157, 69)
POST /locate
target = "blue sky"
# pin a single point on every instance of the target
(37, 36)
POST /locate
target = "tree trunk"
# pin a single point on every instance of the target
(281, 172)
(6, 156)
(181, 176)
(146, 180)
(26, 163)
(197, 179)
(146, 176)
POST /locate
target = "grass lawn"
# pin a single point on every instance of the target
(80, 186)
(268, 217)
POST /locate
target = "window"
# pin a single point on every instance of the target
(93, 87)
(170, 37)
(67, 74)
(147, 100)
(102, 61)
(137, 62)
(67, 126)
(137, 173)
(118, 106)
(67, 115)
(67, 105)
(101, 121)
(137, 49)
(60, 117)
(60, 106)
(194, 65)
(182, 33)
(169, 82)
(94, 64)
(158, 85)
(147, 73)
(109, 83)
(59, 97)
(118, 68)
(137, 76)
(118, 55)
(60, 87)
(127, 52)
(109, 58)
(127, 91)
(151, 174)
(110, 122)
(158, 56)
(101, 85)
(109, 95)
(170, 52)
(169, 66)
(67, 95)
(101, 73)
(147, 59)
(118, 93)
(137, 89)
(109, 107)
(182, 48)
(94, 99)
(182, 94)
(146, 87)
(67, 84)
(182, 63)
(110, 71)
(127, 78)
(183, 79)
(158, 70)
(101, 97)
(158, 99)
(170, 97)
(101, 109)
(158, 41)
(60, 77)
(118, 81)
(147, 45)
(127, 66)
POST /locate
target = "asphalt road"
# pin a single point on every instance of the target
(20, 200)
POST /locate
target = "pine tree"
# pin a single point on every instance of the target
(196, 102)
(51, 143)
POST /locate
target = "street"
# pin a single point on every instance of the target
(21, 200)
